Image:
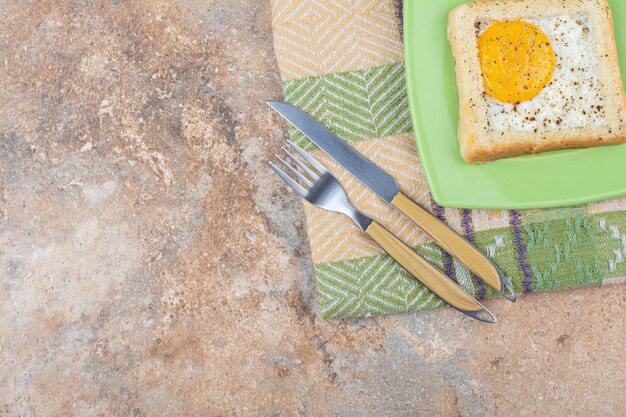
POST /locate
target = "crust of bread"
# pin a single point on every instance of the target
(478, 143)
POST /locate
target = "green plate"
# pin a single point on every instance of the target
(551, 179)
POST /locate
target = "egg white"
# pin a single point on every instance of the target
(574, 96)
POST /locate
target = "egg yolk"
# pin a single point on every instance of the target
(517, 60)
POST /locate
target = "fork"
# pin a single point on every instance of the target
(319, 187)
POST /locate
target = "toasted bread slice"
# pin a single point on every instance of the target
(584, 104)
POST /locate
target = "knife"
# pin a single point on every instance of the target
(385, 186)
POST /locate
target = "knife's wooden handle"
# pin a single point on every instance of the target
(427, 274)
(450, 241)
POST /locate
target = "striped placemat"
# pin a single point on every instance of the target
(342, 61)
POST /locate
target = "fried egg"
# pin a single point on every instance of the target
(540, 74)
(516, 59)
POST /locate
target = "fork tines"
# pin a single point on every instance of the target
(311, 173)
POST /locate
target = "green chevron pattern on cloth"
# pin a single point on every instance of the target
(373, 285)
(349, 76)
(566, 252)
(356, 105)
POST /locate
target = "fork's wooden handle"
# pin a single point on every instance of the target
(427, 274)
(450, 241)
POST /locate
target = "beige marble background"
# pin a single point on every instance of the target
(150, 265)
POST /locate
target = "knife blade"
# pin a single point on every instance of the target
(386, 187)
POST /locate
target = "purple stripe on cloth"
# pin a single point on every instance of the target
(515, 221)
(468, 224)
(399, 14)
(440, 213)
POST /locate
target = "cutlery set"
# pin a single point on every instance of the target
(314, 183)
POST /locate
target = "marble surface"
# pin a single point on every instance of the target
(150, 265)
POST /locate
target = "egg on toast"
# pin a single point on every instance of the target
(536, 75)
